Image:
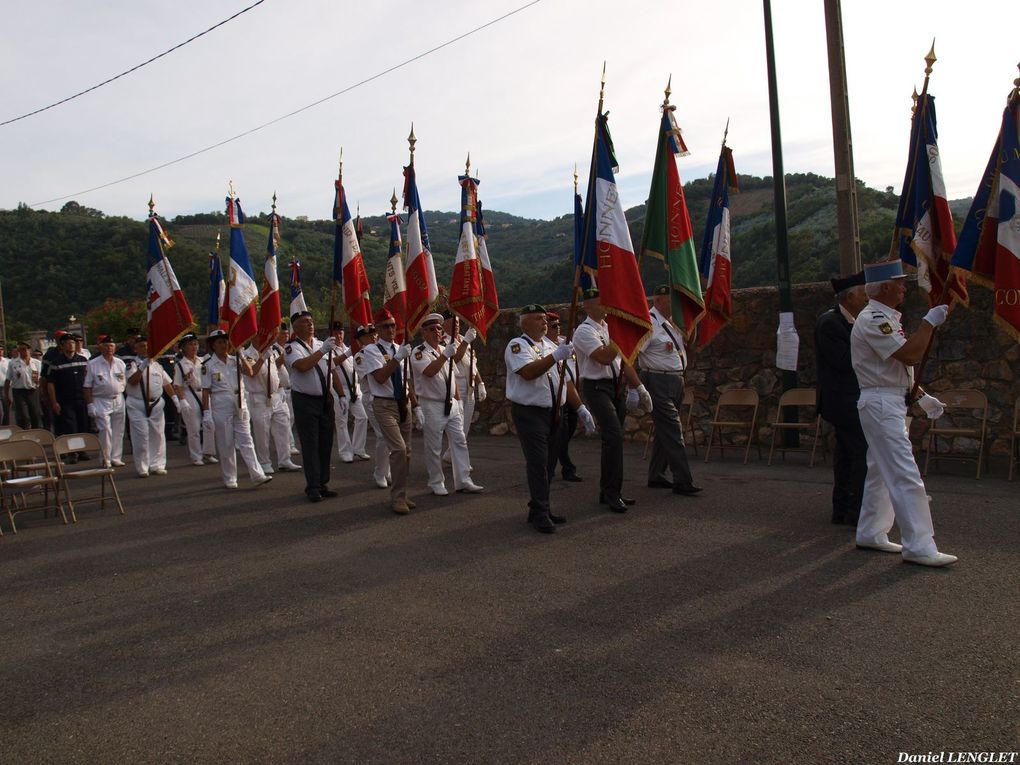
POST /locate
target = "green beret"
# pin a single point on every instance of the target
(662, 289)
(533, 308)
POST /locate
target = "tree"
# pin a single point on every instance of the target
(73, 208)
(115, 317)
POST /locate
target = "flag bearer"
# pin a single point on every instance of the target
(188, 384)
(146, 383)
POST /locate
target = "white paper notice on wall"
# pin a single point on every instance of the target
(787, 343)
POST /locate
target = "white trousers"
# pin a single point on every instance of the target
(270, 422)
(347, 445)
(436, 425)
(233, 433)
(148, 437)
(381, 472)
(285, 392)
(467, 400)
(201, 436)
(110, 424)
(893, 490)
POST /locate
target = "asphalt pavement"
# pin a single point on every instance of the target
(251, 626)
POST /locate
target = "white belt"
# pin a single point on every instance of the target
(882, 391)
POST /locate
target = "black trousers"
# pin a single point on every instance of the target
(609, 408)
(667, 392)
(313, 416)
(73, 417)
(27, 409)
(540, 444)
(849, 465)
(568, 417)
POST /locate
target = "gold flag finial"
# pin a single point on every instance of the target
(393, 201)
(913, 97)
(726, 132)
(1016, 83)
(411, 140)
(930, 58)
(340, 165)
(575, 178)
(217, 241)
(274, 201)
(602, 87)
(152, 204)
(467, 165)
(230, 185)
(668, 91)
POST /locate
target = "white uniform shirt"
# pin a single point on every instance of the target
(876, 335)
(266, 381)
(432, 388)
(466, 369)
(153, 378)
(5, 364)
(310, 382)
(588, 338)
(19, 373)
(374, 357)
(541, 391)
(188, 374)
(220, 377)
(284, 372)
(84, 352)
(344, 372)
(664, 351)
(106, 379)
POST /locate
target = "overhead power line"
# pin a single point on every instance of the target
(264, 125)
(132, 69)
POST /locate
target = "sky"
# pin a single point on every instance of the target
(519, 95)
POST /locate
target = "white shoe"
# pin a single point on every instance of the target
(159, 471)
(268, 469)
(889, 547)
(143, 475)
(381, 483)
(440, 491)
(362, 456)
(197, 463)
(262, 480)
(288, 465)
(938, 560)
(294, 450)
(347, 462)
(106, 464)
(118, 463)
(231, 485)
(211, 460)
(471, 488)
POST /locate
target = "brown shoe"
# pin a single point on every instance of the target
(410, 504)
(400, 508)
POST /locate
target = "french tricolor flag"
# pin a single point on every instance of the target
(239, 303)
(348, 263)
(419, 271)
(270, 312)
(168, 314)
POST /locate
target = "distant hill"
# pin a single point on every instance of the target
(53, 264)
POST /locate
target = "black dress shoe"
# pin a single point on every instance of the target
(327, 492)
(573, 478)
(626, 501)
(557, 519)
(658, 483)
(542, 522)
(314, 496)
(688, 489)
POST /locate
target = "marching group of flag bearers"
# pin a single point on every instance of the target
(553, 380)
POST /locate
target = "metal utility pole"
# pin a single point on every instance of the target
(842, 144)
(787, 335)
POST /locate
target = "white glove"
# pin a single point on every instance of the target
(207, 417)
(450, 350)
(345, 406)
(93, 410)
(419, 418)
(633, 400)
(586, 420)
(563, 351)
(183, 405)
(646, 399)
(931, 405)
(176, 401)
(470, 335)
(244, 415)
(329, 344)
(402, 352)
(480, 393)
(937, 315)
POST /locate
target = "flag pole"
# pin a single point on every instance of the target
(929, 63)
(572, 316)
(237, 351)
(337, 213)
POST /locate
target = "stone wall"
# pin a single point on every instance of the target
(970, 351)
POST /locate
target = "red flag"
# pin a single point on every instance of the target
(420, 272)
(716, 252)
(351, 266)
(270, 312)
(466, 299)
(489, 297)
(620, 286)
(394, 287)
(168, 314)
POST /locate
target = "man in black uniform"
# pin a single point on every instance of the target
(65, 382)
(127, 350)
(837, 397)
